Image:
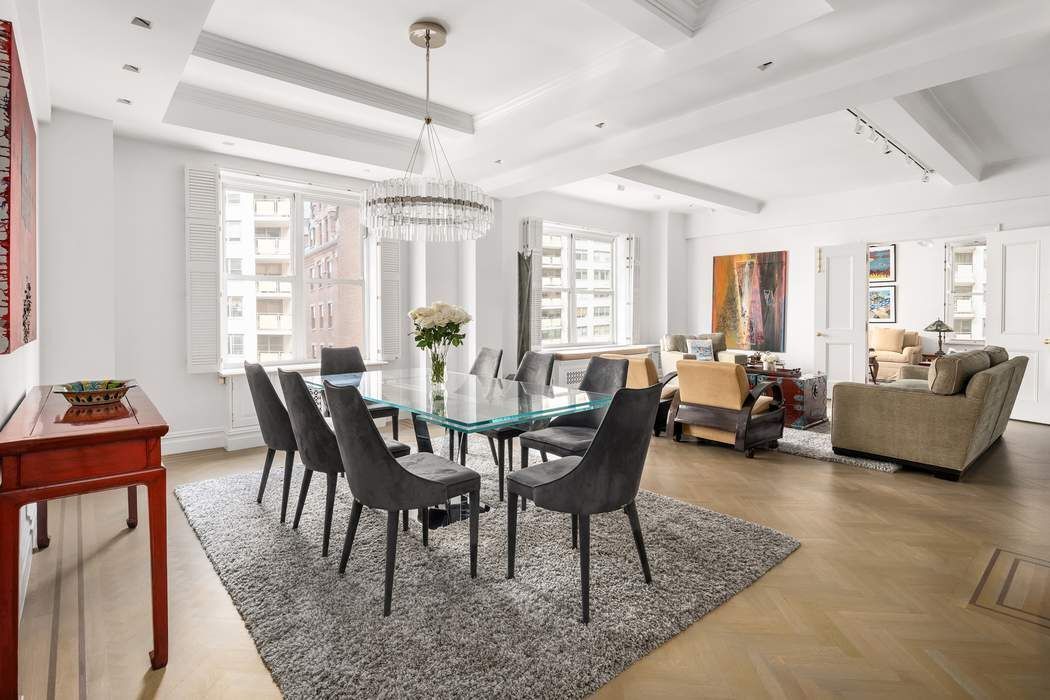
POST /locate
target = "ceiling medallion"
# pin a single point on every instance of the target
(428, 207)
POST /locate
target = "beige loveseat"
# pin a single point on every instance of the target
(941, 418)
(894, 348)
(674, 347)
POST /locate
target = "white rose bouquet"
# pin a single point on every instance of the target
(437, 328)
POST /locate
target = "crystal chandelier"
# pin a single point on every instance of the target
(435, 207)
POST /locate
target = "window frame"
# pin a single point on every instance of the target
(299, 279)
(568, 286)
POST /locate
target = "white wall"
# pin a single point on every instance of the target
(1013, 197)
(79, 268)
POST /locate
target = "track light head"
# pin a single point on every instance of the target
(858, 128)
(886, 147)
(926, 175)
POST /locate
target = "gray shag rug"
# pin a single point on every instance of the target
(323, 635)
(815, 443)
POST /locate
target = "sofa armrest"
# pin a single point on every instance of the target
(915, 425)
(914, 372)
(913, 354)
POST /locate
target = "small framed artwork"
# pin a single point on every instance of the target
(882, 304)
(882, 263)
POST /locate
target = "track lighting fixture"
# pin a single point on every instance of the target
(888, 145)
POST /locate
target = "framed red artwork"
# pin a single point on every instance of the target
(18, 234)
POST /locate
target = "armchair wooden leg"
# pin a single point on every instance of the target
(289, 460)
(391, 554)
(512, 531)
(351, 531)
(266, 473)
(307, 475)
(636, 530)
(585, 565)
(329, 507)
(475, 503)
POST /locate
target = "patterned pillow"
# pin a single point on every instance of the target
(701, 349)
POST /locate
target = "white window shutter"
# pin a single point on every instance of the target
(627, 292)
(532, 239)
(203, 264)
(390, 315)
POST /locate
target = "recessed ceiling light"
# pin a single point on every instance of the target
(621, 188)
(600, 125)
(140, 22)
(691, 205)
(657, 196)
(228, 143)
(130, 68)
(498, 161)
(123, 100)
(765, 66)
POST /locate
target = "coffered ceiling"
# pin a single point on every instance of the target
(721, 103)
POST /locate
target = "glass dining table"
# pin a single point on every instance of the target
(465, 404)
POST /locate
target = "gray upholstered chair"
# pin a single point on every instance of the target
(604, 479)
(348, 360)
(377, 480)
(535, 368)
(276, 429)
(572, 434)
(486, 364)
(317, 446)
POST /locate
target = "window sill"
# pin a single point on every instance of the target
(292, 367)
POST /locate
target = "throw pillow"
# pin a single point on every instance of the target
(950, 373)
(887, 339)
(673, 342)
(702, 349)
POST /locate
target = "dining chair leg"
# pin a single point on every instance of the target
(307, 475)
(636, 529)
(351, 531)
(463, 449)
(585, 564)
(543, 456)
(475, 502)
(575, 529)
(492, 448)
(289, 460)
(266, 473)
(499, 462)
(524, 463)
(404, 520)
(329, 507)
(424, 515)
(510, 455)
(512, 531)
(452, 445)
(393, 425)
(391, 553)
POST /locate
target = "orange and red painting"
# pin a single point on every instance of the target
(749, 300)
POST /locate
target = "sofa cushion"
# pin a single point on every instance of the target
(673, 342)
(950, 373)
(712, 383)
(891, 339)
(997, 355)
(890, 356)
(908, 384)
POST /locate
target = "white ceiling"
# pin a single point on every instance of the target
(538, 76)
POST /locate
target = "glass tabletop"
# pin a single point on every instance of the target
(470, 403)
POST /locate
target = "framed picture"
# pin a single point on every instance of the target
(882, 263)
(882, 304)
(749, 300)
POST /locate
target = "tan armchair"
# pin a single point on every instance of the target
(715, 403)
(894, 348)
(642, 374)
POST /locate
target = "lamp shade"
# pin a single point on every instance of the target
(938, 326)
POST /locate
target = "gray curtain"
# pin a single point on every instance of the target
(524, 305)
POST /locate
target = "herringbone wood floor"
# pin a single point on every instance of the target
(875, 603)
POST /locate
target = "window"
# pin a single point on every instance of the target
(964, 296)
(579, 291)
(305, 259)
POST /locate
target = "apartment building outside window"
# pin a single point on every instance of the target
(966, 281)
(283, 238)
(579, 290)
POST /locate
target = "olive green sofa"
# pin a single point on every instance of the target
(941, 418)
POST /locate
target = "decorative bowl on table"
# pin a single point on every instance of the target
(95, 392)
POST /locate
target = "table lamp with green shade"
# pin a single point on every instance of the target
(940, 328)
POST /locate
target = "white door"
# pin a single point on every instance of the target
(1018, 311)
(841, 344)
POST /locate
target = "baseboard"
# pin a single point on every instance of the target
(192, 440)
(242, 439)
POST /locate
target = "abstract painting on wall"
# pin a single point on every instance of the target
(749, 300)
(18, 288)
(882, 263)
(882, 304)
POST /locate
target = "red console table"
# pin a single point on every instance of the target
(49, 449)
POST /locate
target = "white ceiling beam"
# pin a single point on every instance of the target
(253, 59)
(708, 194)
(221, 113)
(918, 122)
(1007, 36)
(665, 22)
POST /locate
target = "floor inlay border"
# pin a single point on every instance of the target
(997, 580)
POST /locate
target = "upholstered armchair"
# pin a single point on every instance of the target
(714, 403)
(894, 348)
(641, 374)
